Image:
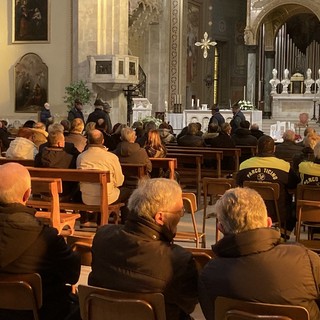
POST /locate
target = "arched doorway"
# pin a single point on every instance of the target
(284, 36)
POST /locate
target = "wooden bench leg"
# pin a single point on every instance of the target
(114, 212)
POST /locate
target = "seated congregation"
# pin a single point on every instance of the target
(255, 260)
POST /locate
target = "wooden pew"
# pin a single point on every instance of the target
(209, 154)
(78, 175)
(133, 172)
(189, 169)
(51, 187)
(24, 162)
(247, 152)
(166, 164)
(235, 153)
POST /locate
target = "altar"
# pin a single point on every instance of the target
(180, 120)
(289, 106)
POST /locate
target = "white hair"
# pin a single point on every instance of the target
(241, 209)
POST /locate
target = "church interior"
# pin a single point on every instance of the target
(175, 55)
(165, 60)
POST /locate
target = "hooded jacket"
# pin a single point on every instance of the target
(254, 266)
(140, 257)
(22, 148)
(27, 246)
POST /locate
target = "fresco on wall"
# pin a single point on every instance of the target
(31, 83)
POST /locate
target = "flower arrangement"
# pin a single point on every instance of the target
(157, 121)
(246, 105)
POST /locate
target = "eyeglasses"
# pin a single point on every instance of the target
(180, 212)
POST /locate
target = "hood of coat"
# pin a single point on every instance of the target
(128, 148)
(19, 229)
(242, 132)
(247, 242)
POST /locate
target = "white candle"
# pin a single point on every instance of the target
(198, 103)
(166, 106)
(244, 93)
(175, 99)
(192, 103)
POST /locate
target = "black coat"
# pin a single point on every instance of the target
(190, 140)
(254, 266)
(243, 137)
(27, 246)
(287, 149)
(75, 113)
(140, 257)
(100, 114)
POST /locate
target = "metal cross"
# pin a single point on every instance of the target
(205, 44)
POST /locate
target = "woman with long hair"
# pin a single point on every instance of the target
(154, 146)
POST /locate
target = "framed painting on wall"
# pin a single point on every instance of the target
(31, 83)
(30, 21)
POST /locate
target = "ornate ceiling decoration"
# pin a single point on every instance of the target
(142, 13)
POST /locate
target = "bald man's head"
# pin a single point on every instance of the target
(15, 183)
(95, 137)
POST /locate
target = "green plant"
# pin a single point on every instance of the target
(77, 90)
(150, 118)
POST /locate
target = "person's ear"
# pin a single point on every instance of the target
(269, 222)
(26, 195)
(159, 218)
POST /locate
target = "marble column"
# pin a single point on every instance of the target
(251, 75)
(269, 65)
(176, 70)
(112, 39)
(112, 27)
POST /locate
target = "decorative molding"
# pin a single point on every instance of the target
(174, 51)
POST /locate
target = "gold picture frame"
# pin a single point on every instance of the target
(31, 83)
(30, 21)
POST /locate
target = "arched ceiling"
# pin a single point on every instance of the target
(302, 24)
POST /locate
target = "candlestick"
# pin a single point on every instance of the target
(251, 93)
(259, 91)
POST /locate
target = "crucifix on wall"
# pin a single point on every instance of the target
(205, 44)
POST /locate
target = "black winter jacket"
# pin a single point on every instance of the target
(27, 246)
(254, 266)
(140, 257)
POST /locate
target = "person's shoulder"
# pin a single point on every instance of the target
(282, 164)
(180, 252)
